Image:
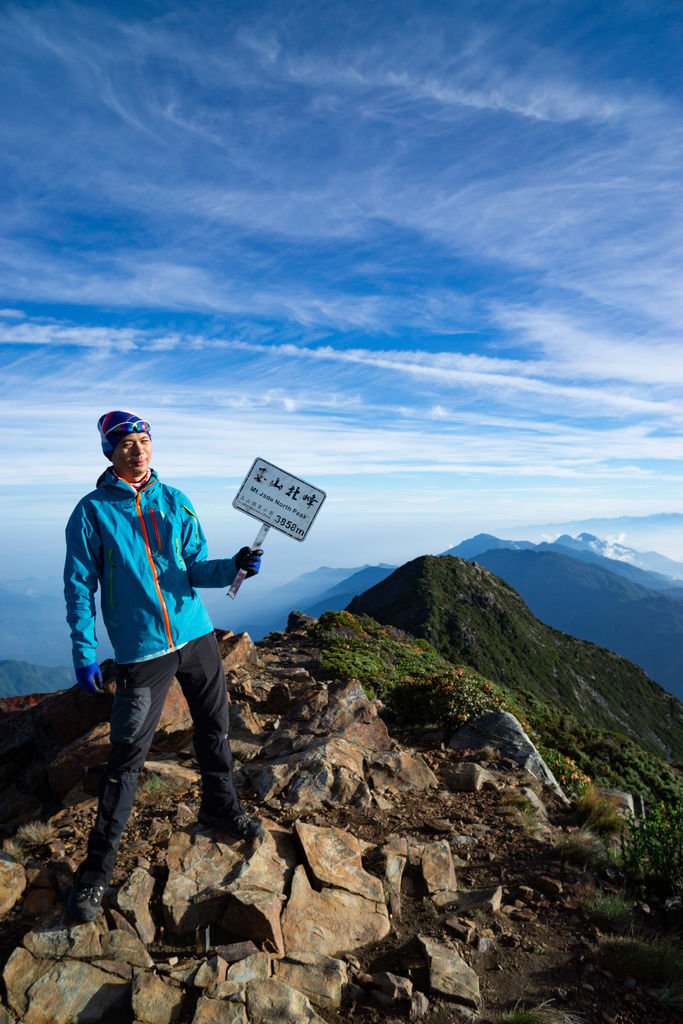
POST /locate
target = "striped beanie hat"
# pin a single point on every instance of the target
(115, 425)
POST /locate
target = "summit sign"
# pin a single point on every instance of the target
(278, 499)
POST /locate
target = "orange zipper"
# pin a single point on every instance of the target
(148, 549)
(156, 528)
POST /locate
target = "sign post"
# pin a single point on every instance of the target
(278, 500)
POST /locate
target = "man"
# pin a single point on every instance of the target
(140, 541)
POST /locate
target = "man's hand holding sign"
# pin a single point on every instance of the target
(278, 500)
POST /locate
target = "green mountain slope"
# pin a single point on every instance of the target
(474, 618)
(591, 602)
(18, 678)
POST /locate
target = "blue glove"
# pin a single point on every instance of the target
(89, 679)
(249, 560)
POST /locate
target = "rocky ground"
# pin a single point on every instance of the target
(398, 879)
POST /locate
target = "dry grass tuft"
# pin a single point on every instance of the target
(598, 814)
(583, 849)
(28, 838)
(656, 962)
(516, 800)
(544, 1013)
(487, 753)
(611, 910)
(154, 787)
(36, 833)
(13, 849)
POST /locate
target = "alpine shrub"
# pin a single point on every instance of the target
(652, 847)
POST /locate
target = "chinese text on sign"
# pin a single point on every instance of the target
(279, 499)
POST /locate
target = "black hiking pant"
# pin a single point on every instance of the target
(141, 689)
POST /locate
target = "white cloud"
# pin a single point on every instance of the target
(573, 349)
(427, 257)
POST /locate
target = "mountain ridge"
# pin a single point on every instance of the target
(474, 617)
(637, 613)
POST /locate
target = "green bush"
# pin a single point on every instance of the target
(565, 769)
(411, 678)
(652, 848)
(610, 759)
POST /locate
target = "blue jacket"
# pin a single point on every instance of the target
(147, 552)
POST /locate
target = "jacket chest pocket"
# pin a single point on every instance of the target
(158, 530)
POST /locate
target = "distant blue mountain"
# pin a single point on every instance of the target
(33, 625)
(33, 622)
(486, 542)
(661, 531)
(617, 558)
(344, 592)
(324, 589)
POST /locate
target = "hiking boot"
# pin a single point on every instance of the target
(237, 823)
(85, 900)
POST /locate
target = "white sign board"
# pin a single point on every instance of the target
(279, 499)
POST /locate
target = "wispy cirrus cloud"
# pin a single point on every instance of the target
(572, 359)
(424, 250)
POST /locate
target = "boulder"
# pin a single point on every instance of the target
(393, 987)
(177, 775)
(323, 979)
(154, 1001)
(133, 899)
(535, 802)
(469, 777)
(268, 865)
(126, 948)
(351, 713)
(71, 990)
(621, 801)
(236, 951)
(219, 1011)
(399, 771)
(449, 976)
(200, 869)
(237, 650)
(332, 921)
(12, 882)
(333, 857)
(272, 1000)
(68, 768)
(255, 914)
(212, 972)
(256, 966)
(322, 759)
(72, 731)
(20, 971)
(395, 856)
(53, 939)
(481, 899)
(501, 730)
(298, 622)
(438, 872)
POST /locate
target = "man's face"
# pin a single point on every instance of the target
(132, 456)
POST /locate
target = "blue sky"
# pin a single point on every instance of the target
(426, 256)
